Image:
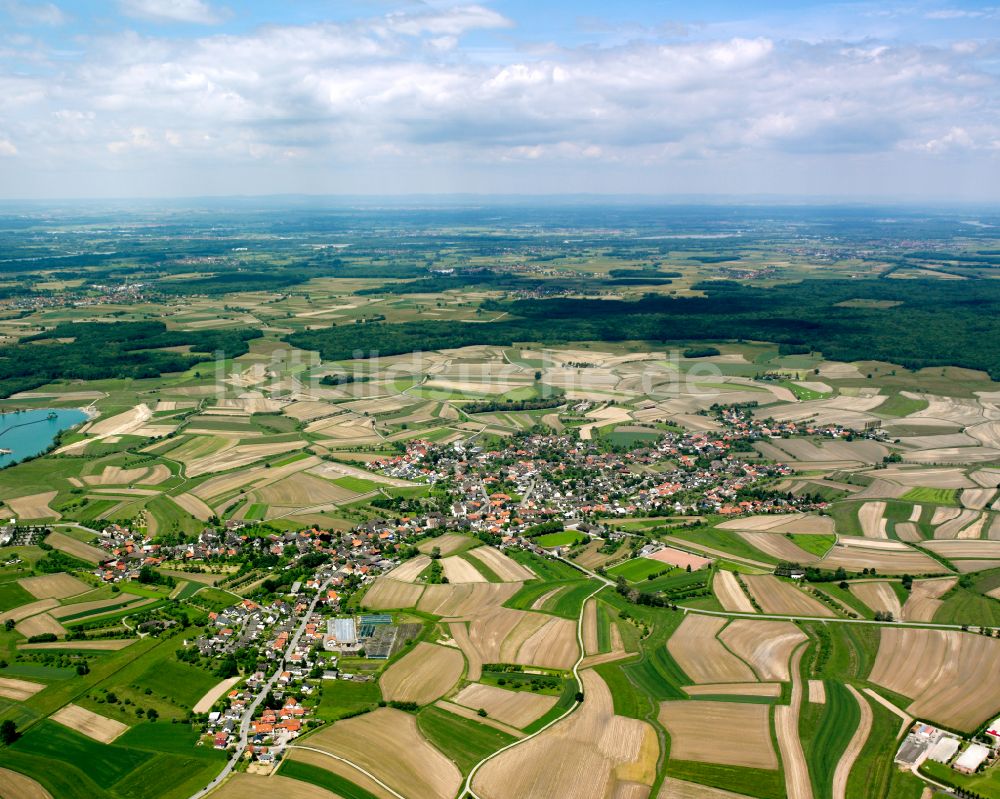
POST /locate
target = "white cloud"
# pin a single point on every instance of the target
(404, 87)
(193, 11)
(34, 13)
(7, 147)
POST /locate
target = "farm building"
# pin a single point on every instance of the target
(993, 730)
(341, 635)
(971, 759)
(944, 750)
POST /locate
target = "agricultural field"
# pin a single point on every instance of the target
(653, 614)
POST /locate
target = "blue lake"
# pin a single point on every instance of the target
(31, 432)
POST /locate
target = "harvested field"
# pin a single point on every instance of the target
(409, 570)
(931, 477)
(97, 604)
(776, 596)
(91, 724)
(987, 478)
(854, 746)
(765, 644)
(33, 506)
(18, 689)
(702, 656)
(593, 754)
(233, 456)
(447, 543)
(213, 694)
(24, 611)
(908, 531)
(552, 646)
(857, 554)
(424, 674)
(678, 789)
(472, 715)
(58, 586)
(111, 645)
(956, 550)
(255, 477)
(966, 566)
(879, 595)
(468, 600)
(77, 549)
(729, 593)
(735, 689)
(261, 786)
(679, 558)
(38, 625)
(871, 519)
(935, 668)
(303, 490)
(786, 728)
(459, 570)
(460, 634)
(517, 708)
(505, 568)
(386, 594)
(777, 546)
(817, 692)
(416, 769)
(17, 786)
(696, 725)
(977, 498)
(950, 528)
(122, 424)
(194, 506)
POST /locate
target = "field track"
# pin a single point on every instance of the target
(854, 746)
(786, 727)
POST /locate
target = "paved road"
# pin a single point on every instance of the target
(261, 695)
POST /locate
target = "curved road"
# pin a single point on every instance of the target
(467, 787)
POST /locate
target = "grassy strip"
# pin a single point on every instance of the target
(745, 781)
(490, 575)
(825, 731)
(320, 777)
(462, 740)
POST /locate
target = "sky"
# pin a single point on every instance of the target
(851, 101)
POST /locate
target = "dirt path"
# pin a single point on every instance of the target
(786, 723)
(854, 746)
(907, 720)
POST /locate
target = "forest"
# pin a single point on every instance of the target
(101, 350)
(926, 323)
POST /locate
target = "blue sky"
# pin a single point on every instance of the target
(860, 101)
